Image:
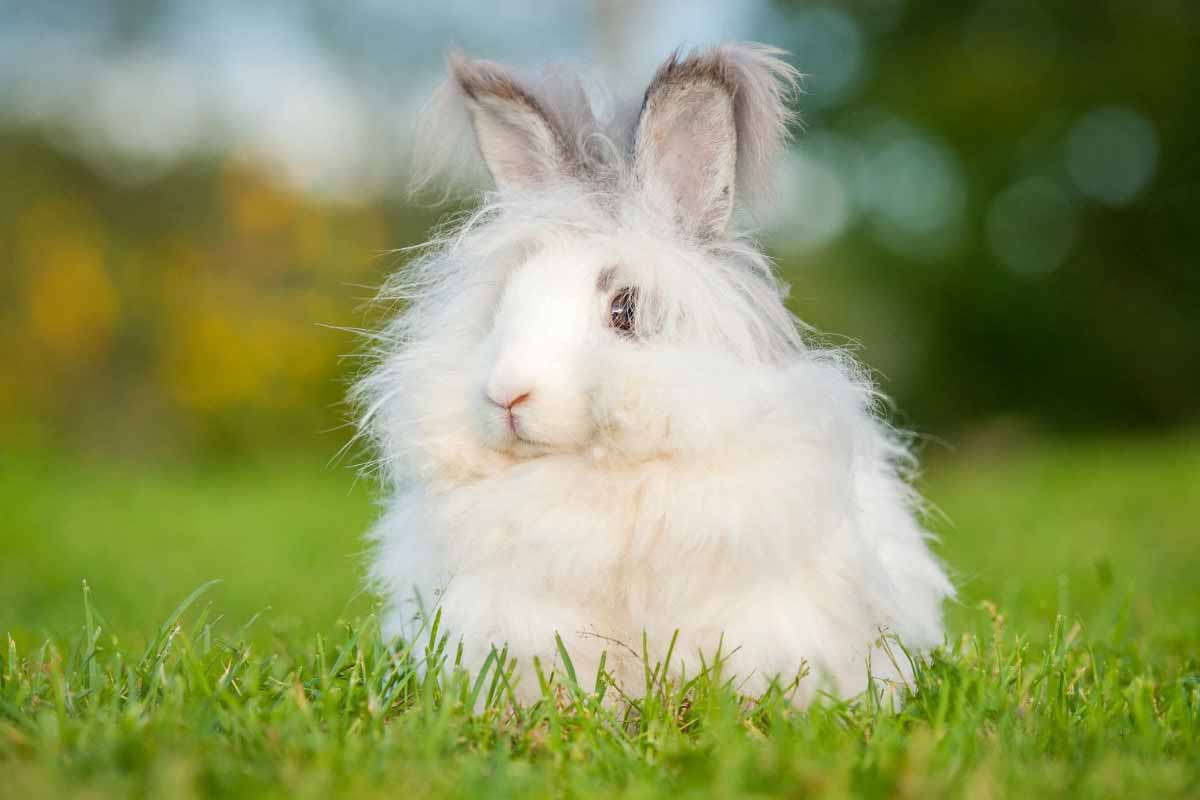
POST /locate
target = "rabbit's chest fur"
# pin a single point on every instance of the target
(801, 548)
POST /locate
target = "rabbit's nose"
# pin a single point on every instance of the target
(507, 401)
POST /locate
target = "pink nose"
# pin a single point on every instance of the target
(508, 403)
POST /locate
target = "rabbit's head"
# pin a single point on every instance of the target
(603, 244)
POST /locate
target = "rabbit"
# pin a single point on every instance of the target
(595, 417)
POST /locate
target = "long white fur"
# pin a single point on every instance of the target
(715, 475)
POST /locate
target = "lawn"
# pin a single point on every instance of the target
(1072, 665)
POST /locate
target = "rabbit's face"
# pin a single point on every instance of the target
(573, 328)
(556, 322)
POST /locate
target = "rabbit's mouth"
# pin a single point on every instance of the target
(519, 438)
(521, 446)
(511, 437)
(529, 432)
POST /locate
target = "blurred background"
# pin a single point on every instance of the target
(994, 202)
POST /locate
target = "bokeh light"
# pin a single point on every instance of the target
(913, 187)
(1031, 226)
(1111, 154)
(831, 51)
(815, 200)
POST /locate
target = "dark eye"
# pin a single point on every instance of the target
(622, 310)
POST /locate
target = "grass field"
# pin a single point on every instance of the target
(1072, 667)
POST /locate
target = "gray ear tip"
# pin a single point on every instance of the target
(477, 79)
(707, 65)
(465, 72)
(760, 69)
(457, 62)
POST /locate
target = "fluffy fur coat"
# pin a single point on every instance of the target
(595, 416)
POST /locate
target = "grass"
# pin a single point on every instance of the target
(1072, 666)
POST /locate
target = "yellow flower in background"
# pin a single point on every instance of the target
(311, 240)
(256, 207)
(208, 366)
(73, 306)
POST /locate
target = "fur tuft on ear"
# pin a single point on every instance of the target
(766, 85)
(709, 127)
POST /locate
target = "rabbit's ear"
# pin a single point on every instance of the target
(709, 128)
(685, 145)
(520, 142)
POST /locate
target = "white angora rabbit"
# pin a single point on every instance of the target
(595, 416)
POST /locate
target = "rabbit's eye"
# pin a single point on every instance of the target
(622, 309)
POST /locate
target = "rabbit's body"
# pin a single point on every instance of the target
(598, 419)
